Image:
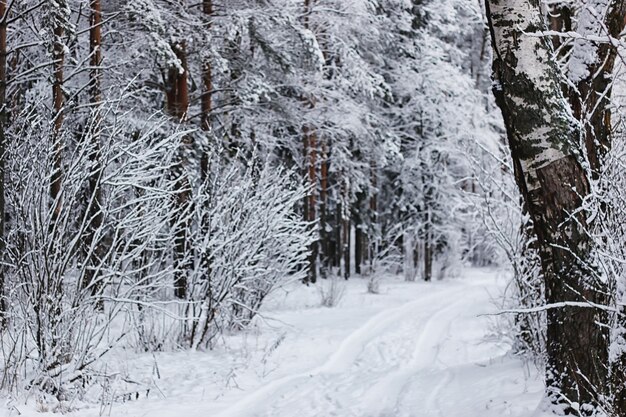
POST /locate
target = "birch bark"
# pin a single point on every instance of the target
(544, 139)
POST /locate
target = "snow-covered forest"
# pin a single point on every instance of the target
(354, 208)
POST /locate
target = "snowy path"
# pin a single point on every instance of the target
(424, 358)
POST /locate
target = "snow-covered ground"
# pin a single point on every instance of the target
(414, 350)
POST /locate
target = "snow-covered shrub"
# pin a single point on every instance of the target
(501, 234)
(610, 236)
(248, 240)
(68, 278)
(331, 291)
(511, 244)
(373, 284)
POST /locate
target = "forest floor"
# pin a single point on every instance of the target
(414, 350)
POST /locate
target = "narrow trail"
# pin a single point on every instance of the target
(424, 358)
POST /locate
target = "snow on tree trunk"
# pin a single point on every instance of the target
(3, 123)
(177, 106)
(590, 68)
(94, 193)
(59, 16)
(207, 98)
(544, 140)
(310, 158)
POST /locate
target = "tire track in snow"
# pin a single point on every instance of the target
(432, 401)
(385, 396)
(342, 359)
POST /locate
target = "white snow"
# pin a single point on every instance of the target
(415, 350)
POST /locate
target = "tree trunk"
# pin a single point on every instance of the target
(560, 20)
(207, 98)
(177, 106)
(346, 247)
(325, 235)
(372, 250)
(428, 251)
(417, 250)
(338, 243)
(182, 259)
(58, 99)
(429, 190)
(3, 124)
(177, 90)
(590, 100)
(358, 244)
(543, 139)
(345, 229)
(94, 194)
(310, 152)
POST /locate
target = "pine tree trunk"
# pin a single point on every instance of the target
(310, 152)
(3, 124)
(310, 146)
(338, 243)
(94, 193)
(345, 230)
(543, 139)
(372, 250)
(416, 259)
(58, 99)
(206, 107)
(428, 184)
(428, 251)
(560, 20)
(358, 244)
(207, 97)
(177, 90)
(325, 236)
(346, 247)
(177, 106)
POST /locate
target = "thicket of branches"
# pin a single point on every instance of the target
(166, 165)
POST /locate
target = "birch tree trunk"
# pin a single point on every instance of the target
(544, 139)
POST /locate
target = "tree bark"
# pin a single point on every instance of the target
(207, 98)
(544, 138)
(325, 236)
(58, 99)
(177, 106)
(310, 152)
(177, 90)
(429, 190)
(345, 228)
(560, 20)
(372, 250)
(358, 244)
(3, 124)
(428, 252)
(94, 193)
(590, 99)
